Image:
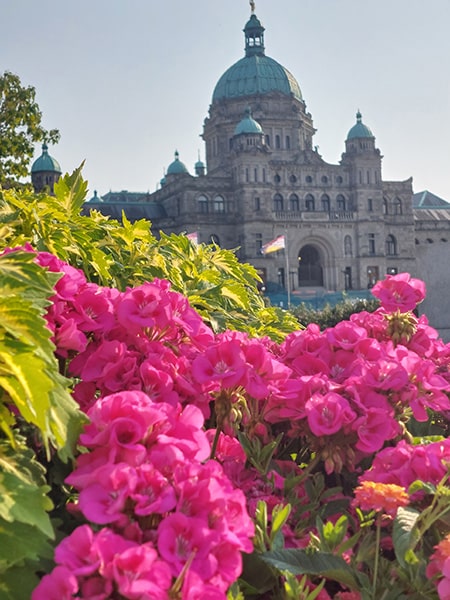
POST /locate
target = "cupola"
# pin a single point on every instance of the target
(177, 167)
(359, 130)
(45, 171)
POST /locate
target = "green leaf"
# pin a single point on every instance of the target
(19, 542)
(331, 533)
(303, 562)
(405, 535)
(23, 489)
(256, 575)
(280, 515)
(18, 583)
(71, 191)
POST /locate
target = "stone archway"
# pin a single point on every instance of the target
(310, 270)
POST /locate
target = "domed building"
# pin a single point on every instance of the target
(45, 171)
(343, 227)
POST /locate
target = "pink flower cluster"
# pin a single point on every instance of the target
(176, 517)
(142, 339)
(98, 565)
(343, 391)
(405, 463)
(158, 385)
(399, 292)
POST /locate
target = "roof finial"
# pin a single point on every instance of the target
(252, 5)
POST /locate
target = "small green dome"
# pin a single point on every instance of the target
(177, 167)
(359, 130)
(248, 124)
(256, 73)
(95, 197)
(45, 162)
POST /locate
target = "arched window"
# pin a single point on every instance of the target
(340, 202)
(219, 204)
(277, 178)
(294, 202)
(391, 245)
(202, 204)
(385, 206)
(267, 140)
(278, 202)
(309, 202)
(277, 142)
(325, 200)
(348, 246)
(398, 210)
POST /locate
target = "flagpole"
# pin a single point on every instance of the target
(288, 275)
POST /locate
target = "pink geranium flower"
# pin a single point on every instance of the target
(399, 292)
(139, 574)
(328, 414)
(60, 584)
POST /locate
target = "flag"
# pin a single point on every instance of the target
(277, 244)
(193, 237)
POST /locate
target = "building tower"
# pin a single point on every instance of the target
(45, 172)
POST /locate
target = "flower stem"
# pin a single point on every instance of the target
(377, 554)
(215, 440)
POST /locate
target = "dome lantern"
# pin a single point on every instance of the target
(255, 73)
(254, 36)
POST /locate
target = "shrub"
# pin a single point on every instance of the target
(331, 315)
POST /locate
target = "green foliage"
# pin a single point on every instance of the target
(20, 128)
(115, 254)
(29, 377)
(331, 315)
(34, 398)
(305, 562)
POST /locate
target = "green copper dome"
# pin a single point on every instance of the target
(248, 124)
(359, 130)
(256, 73)
(45, 162)
(177, 167)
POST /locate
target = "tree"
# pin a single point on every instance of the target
(20, 128)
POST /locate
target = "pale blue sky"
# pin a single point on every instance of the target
(129, 81)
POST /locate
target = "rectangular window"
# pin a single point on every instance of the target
(371, 240)
(247, 176)
(370, 205)
(258, 242)
(264, 175)
(257, 203)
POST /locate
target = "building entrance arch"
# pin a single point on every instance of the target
(310, 270)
